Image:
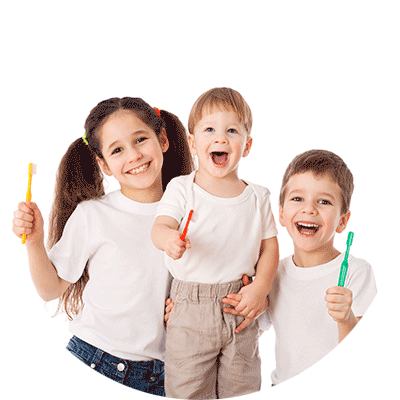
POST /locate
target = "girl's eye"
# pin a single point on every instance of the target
(297, 199)
(232, 130)
(141, 139)
(209, 129)
(117, 150)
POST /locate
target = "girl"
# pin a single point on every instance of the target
(109, 277)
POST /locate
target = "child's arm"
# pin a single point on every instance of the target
(166, 237)
(28, 220)
(255, 294)
(339, 300)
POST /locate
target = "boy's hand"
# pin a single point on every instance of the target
(28, 220)
(339, 300)
(253, 301)
(175, 247)
(233, 300)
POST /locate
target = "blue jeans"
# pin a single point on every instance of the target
(146, 376)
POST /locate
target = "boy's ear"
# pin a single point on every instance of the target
(248, 147)
(104, 166)
(344, 219)
(281, 220)
(164, 142)
(192, 146)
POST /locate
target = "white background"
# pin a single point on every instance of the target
(316, 74)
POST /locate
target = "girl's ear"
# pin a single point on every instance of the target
(104, 166)
(248, 147)
(164, 142)
(344, 219)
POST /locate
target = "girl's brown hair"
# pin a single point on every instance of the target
(79, 176)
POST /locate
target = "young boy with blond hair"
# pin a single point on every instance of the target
(232, 233)
(309, 312)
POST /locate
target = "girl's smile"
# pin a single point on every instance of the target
(133, 154)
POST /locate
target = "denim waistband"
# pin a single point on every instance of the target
(147, 376)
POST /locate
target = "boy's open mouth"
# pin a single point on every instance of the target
(307, 229)
(219, 158)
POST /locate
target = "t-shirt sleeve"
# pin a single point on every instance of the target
(71, 253)
(362, 284)
(268, 220)
(173, 203)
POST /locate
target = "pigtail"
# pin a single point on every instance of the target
(79, 178)
(177, 159)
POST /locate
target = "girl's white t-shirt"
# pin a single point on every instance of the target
(124, 297)
(304, 330)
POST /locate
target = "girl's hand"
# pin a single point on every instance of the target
(169, 305)
(339, 300)
(28, 220)
(175, 247)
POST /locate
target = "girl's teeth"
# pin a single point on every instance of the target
(140, 169)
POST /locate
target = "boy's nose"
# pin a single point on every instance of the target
(221, 138)
(309, 208)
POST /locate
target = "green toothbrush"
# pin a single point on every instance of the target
(345, 263)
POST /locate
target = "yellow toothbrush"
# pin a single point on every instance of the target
(31, 171)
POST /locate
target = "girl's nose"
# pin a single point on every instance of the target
(134, 154)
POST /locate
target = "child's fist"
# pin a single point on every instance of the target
(339, 300)
(28, 220)
(175, 247)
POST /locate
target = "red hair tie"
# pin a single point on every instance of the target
(157, 111)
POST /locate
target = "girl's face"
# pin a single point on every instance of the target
(133, 154)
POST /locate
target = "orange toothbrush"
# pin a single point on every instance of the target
(187, 225)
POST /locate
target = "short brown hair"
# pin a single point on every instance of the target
(321, 162)
(224, 98)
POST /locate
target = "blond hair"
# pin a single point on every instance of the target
(221, 99)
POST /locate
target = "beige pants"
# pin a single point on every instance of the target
(205, 358)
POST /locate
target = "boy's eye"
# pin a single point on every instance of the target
(232, 130)
(209, 129)
(324, 202)
(297, 198)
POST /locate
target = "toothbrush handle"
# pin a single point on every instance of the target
(28, 198)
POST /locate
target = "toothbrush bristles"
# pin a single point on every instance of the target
(34, 169)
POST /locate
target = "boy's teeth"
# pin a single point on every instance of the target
(307, 229)
(307, 225)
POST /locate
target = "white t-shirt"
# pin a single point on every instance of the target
(225, 233)
(304, 330)
(124, 297)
